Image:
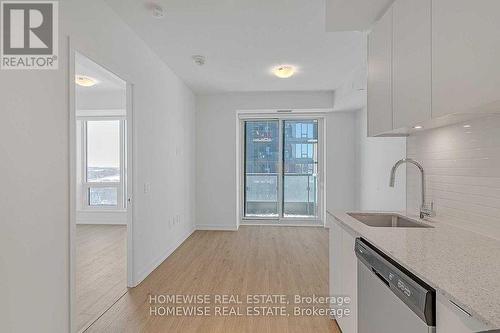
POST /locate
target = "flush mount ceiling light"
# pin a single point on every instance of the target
(284, 71)
(418, 127)
(85, 81)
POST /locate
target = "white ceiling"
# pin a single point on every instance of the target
(243, 39)
(106, 80)
(354, 15)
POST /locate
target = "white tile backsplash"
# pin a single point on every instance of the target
(463, 173)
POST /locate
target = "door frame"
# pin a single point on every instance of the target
(266, 114)
(73, 49)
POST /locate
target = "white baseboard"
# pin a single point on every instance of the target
(143, 274)
(216, 227)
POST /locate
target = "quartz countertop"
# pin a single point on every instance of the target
(461, 265)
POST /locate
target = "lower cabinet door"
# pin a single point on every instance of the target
(343, 275)
(350, 281)
(336, 285)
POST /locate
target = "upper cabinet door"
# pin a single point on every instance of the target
(466, 56)
(380, 76)
(412, 62)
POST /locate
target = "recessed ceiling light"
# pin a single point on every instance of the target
(283, 71)
(418, 127)
(467, 126)
(85, 81)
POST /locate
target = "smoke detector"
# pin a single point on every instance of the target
(157, 11)
(199, 60)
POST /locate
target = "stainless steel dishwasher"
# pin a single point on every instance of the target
(391, 299)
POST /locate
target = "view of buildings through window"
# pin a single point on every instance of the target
(299, 158)
(103, 162)
(300, 170)
(261, 168)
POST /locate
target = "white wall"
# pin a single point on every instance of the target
(216, 147)
(101, 217)
(351, 95)
(463, 174)
(376, 156)
(341, 158)
(34, 213)
(101, 99)
(357, 167)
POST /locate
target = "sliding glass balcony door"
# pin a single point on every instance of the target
(262, 163)
(281, 169)
(300, 170)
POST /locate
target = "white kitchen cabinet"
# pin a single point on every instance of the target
(465, 56)
(335, 263)
(411, 62)
(449, 318)
(343, 272)
(350, 280)
(379, 103)
(335, 256)
(444, 62)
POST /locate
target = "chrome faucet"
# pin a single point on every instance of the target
(426, 210)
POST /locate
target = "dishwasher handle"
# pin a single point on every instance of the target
(381, 277)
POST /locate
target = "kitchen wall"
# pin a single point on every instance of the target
(341, 159)
(463, 173)
(216, 150)
(34, 150)
(376, 156)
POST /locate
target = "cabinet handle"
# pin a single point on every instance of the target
(380, 277)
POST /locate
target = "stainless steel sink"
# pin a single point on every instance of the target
(383, 220)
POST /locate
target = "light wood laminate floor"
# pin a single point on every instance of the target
(252, 260)
(101, 270)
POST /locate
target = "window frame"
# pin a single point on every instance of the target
(279, 171)
(86, 185)
(266, 115)
(318, 163)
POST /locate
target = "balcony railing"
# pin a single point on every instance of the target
(299, 194)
